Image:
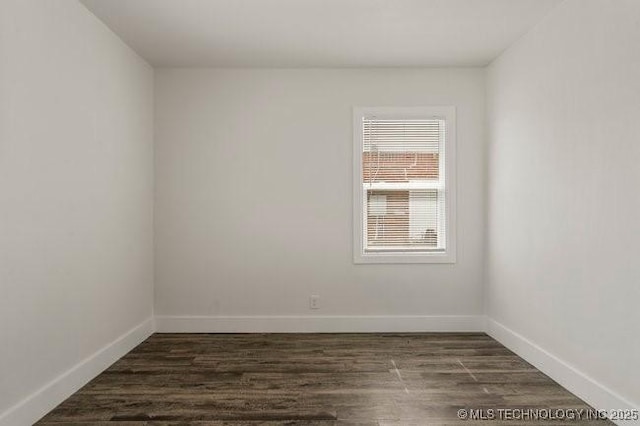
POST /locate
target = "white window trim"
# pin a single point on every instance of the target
(448, 113)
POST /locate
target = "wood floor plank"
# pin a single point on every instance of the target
(312, 379)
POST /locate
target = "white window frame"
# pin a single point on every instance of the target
(446, 113)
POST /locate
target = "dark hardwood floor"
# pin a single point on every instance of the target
(317, 379)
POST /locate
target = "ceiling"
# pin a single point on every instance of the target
(319, 33)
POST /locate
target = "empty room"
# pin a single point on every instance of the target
(319, 212)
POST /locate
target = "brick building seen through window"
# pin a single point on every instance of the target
(397, 218)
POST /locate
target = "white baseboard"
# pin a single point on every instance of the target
(319, 324)
(592, 392)
(39, 403)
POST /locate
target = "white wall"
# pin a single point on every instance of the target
(76, 191)
(254, 193)
(564, 205)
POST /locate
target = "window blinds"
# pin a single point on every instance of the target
(403, 185)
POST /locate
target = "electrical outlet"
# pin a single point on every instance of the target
(314, 302)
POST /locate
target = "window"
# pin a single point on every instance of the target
(404, 181)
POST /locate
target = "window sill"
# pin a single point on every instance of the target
(399, 258)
